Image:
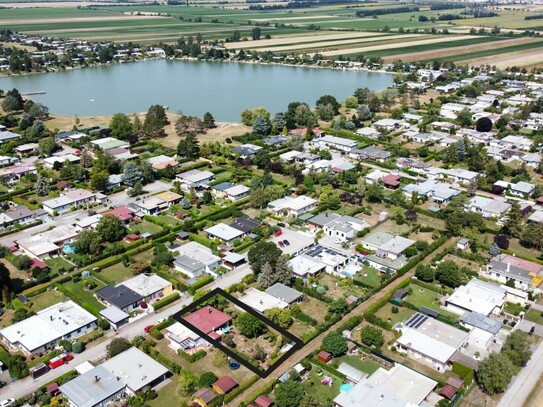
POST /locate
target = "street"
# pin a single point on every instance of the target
(27, 385)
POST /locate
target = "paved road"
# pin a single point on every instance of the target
(27, 385)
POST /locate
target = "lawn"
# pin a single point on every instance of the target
(367, 366)
(513, 309)
(169, 395)
(168, 219)
(534, 316)
(422, 297)
(386, 314)
(58, 263)
(369, 276)
(46, 299)
(85, 298)
(145, 226)
(117, 273)
(314, 308)
(323, 393)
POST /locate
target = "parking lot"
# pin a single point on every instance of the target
(298, 241)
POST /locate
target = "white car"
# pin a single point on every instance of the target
(161, 320)
(7, 403)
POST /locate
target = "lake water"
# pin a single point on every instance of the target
(222, 88)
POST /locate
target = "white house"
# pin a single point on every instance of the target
(290, 206)
(195, 179)
(477, 295)
(335, 142)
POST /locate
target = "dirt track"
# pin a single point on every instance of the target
(531, 59)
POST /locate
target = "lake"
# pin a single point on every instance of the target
(222, 88)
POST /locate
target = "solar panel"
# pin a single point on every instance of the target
(421, 321)
(416, 321)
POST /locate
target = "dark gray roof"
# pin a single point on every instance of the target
(480, 321)
(284, 292)
(245, 224)
(120, 296)
(223, 186)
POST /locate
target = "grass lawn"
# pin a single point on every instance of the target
(46, 299)
(169, 395)
(386, 314)
(422, 297)
(366, 366)
(534, 316)
(83, 297)
(369, 276)
(323, 393)
(145, 227)
(168, 219)
(118, 273)
(58, 263)
(513, 309)
(314, 308)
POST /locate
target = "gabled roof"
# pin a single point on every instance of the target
(225, 384)
(208, 319)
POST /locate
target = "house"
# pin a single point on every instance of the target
(226, 234)
(374, 177)
(289, 206)
(25, 150)
(386, 245)
(337, 143)
(195, 179)
(90, 222)
(70, 158)
(69, 136)
(412, 164)
(109, 143)
(121, 154)
(437, 192)
(161, 162)
(430, 341)
(7, 136)
(64, 202)
(204, 397)
(124, 213)
(194, 259)
(516, 142)
(345, 227)
(370, 153)
(454, 174)
(413, 118)
(245, 224)
(370, 132)
(123, 375)
(443, 126)
(391, 181)
(119, 296)
(477, 295)
(224, 385)
(285, 293)
(462, 244)
(209, 320)
(304, 266)
(115, 316)
(524, 273)
(43, 331)
(150, 205)
(231, 191)
(246, 150)
(13, 174)
(388, 124)
(521, 188)
(232, 260)
(149, 286)
(171, 198)
(334, 260)
(489, 208)
(261, 301)
(21, 215)
(397, 387)
(45, 244)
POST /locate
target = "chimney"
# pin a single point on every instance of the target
(209, 310)
(97, 378)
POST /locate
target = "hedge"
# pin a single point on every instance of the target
(465, 372)
(166, 301)
(14, 193)
(156, 334)
(155, 354)
(243, 246)
(66, 377)
(327, 368)
(241, 388)
(164, 324)
(350, 324)
(432, 287)
(262, 390)
(191, 358)
(31, 292)
(20, 227)
(177, 284)
(200, 283)
(201, 239)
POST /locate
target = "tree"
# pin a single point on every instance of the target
(325, 112)
(513, 225)
(42, 186)
(261, 253)
(188, 382)
(86, 159)
(116, 346)
(87, 242)
(329, 197)
(448, 273)
(5, 282)
(463, 118)
(334, 343)
(99, 181)
(279, 121)
(533, 235)
(155, 120)
(21, 314)
(261, 158)
(188, 146)
(282, 317)
(207, 379)
(248, 325)
(131, 173)
(364, 113)
(266, 278)
(47, 146)
(372, 336)
(137, 128)
(310, 401)
(424, 273)
(209, 121)
(517, 348)
(484, 124)
(283, 271)
(289, 394)
(255, 33)
(362, 94)
(261, 125)
(110, 228)
(120, 126)
(374, 193)
(13, 101)
(495, 373)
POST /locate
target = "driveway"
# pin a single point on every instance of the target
(298, 241)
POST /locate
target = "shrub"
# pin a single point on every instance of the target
(166, 301)
(78, 347)
(192, 357)
(103, 324)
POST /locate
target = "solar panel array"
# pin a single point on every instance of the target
(417, 320)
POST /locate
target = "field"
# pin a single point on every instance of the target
(334, 31)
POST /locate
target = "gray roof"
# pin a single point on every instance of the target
(120, 296)
(245, 224)
(189, 263)
(284, 293)
(87, 391)
(114, 314)
(323, 218)
(223, 186)
(480, 321)
(372, 152)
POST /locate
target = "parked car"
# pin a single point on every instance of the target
(280, 243)
(7, 403)
(148, 328)
(281, 224)
(2, 384)
(278, 233)
(286, 242)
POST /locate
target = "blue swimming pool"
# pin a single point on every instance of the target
(69, 249)
(345, 388)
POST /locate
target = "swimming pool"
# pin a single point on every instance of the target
(345, 388)
(69, 249)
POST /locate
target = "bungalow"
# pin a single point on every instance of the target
(69, 136)
(245, 224)
(489, 208)
(524, 273)
(388, 124)
(289, 206)
(115, 316)
(70, 158)
(370, 132)
(121, 154)
(21, 215)
(454, 174)
(149, 286)
(171, 198)
(285, 293)
(304, 266)
(337, 143)
(345, 227)
(246, 150)
(74, 198)
(375, 177)
(89, 222)
(437, 192)
(521, 188)
(150, 205)
(124, 213)
(443, 126)
(261, 300)
(412, 164)
(231, 191)
(477, 295)
(25, 150)
(276, 140)
(6, 160)
(13, 174)
(226, 234)
(7, 136)
(370, 153)
(413, 118)
(209, 320)
(109, 143)
(161, 162)
(391, 181)
(120, 297)
(194, 259)
(516, 142)
(195, 179)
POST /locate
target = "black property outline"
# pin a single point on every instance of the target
(298, 343)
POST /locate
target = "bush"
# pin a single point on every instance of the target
(156, 334)
(103, 324)
(199, 284)
(192, 357)
(395, 309)
(207, 379)
(78, 347)
(166, 301)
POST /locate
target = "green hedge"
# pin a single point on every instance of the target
(463, 371)
(350, 324)
(199, 284)
(166, 301)
(262, 390)
(178, 285)
(243, 246)
(5, 197)
(241, 388)
(191, 358)
(31, 292)
(201, 239)
(159, 357)
(327, 368)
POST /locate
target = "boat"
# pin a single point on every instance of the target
(91, 100)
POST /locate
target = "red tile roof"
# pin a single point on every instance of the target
(208, 319)
(206, 395)
(225, 384)
(38, 264)
(122, 212)
(263, 401)
(391, 179)
(448, 391)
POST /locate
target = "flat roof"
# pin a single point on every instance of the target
(198, 252)
(261, 301)
(224, 232)
(146, 284)
(351, 372)
(284, 293)
(481, 321)
(479, 296)
(303, 264)
(87, 391)
(114, 314)
(195, 175)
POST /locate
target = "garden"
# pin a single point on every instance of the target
(82, 292)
